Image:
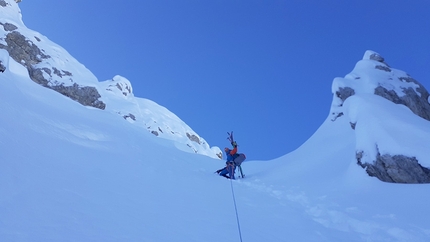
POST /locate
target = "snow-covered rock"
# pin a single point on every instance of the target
(359, 92)
(47, 63)
(51, 66)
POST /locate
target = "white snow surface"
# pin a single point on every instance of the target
(73, 173)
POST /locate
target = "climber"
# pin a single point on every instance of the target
(230, 165)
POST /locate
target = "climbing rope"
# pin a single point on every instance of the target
(235, 208)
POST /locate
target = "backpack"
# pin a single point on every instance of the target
(238, 161)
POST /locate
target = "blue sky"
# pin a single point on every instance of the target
(263, 69)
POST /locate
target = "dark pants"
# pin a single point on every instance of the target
(229, 169)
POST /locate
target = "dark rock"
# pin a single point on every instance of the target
(383, 68)
(130, 115)
(2, 67)
(336, 115)
(27, 53)
(376, 57)
(418, 104)
(344, 92)
(396, 169)
(22, 50)
(193, 138)
(87, 96)
(154, 132)
(9, 27)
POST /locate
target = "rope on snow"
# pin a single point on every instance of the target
(235, 208)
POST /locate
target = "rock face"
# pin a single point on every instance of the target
(396, 169)
(373, 75)
(23, 46)
(416, 99)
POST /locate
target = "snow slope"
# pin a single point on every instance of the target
(73, 173)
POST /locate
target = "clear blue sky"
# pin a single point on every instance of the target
(263, 69)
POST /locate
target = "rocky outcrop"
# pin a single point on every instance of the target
(219, 155)
(8, 27)
(344, 92)
(22, 50)
(416, 99)
(416, 102)
(373, 75)
(193, 138)
(396, 169)
(376, 57)
(26, 52)
(22, 46)
(87, 96)
(120, 86)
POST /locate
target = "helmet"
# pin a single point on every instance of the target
(226, 149)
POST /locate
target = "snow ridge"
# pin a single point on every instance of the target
(52, 66)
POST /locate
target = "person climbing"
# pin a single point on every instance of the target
(230, 165)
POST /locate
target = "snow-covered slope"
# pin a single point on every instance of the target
(144, 113)
(69, 172)
(52, 66)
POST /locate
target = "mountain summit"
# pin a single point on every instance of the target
(368, 97)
